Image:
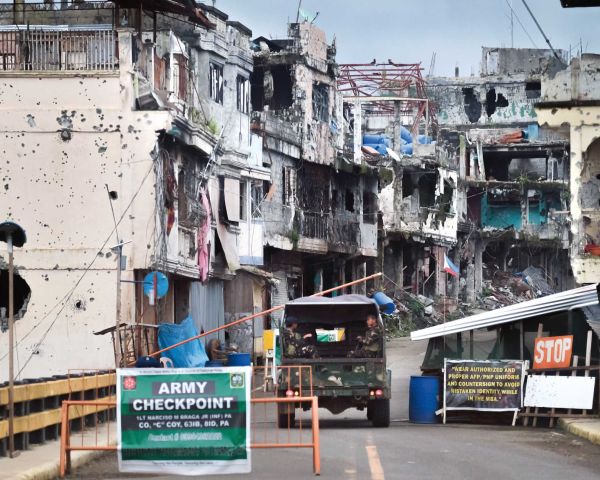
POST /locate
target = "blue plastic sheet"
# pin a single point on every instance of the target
(188, 355)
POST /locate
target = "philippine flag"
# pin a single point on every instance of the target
(449, 267)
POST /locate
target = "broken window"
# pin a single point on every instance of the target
(320, 102)
(256, 198)
(289, 185)
(349, 200)
(369, 207)
(243, 94)
(472, 105)
(216, 82)
(243, 200)
(271, 86)
(427, 184)
(533, 89)
(493, 101)
(180, 72)
(408, 186)
(229, 200)
(22, 294)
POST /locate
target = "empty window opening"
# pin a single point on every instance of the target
(427, 184)
(533, 89)
(472, 105)
(369, 207)
(349, 200)
(243, 94)
(408, 186)
(320, 102)
(216, 82)
(493, 101)
(243, 200)
(22, 294)
(272, 87)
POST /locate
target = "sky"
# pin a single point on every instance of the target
(409, 31)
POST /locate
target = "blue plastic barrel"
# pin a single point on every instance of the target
(238, 360)
(214, 363)
(423, 399)
(376, 140)
(405, 134)
(386, 304)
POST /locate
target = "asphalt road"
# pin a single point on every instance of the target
(352, 449)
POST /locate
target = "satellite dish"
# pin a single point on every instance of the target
(162, 284)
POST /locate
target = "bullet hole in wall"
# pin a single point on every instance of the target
(65, 135)
(113, 195)
(22, 294)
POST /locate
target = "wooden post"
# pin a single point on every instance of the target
(11, 346)
(573, 374)
(540, 332)
(588, 357)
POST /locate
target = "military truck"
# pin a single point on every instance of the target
(341, 378)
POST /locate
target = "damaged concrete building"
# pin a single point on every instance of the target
(320, 209)
(390, 125)
(126, 124)
(513, 177)
(570, 99)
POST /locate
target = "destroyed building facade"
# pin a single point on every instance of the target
(513, 176)
(320, 209)
(570, 99)
(145, 112)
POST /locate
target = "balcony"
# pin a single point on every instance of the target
(54, 49)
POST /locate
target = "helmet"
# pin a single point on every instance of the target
(289, 321)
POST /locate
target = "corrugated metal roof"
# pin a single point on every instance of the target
(578, 297)
(592, 315)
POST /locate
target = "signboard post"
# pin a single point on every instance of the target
(484, 385)
(184, 421)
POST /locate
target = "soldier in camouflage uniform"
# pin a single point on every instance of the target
(370, 345)
(294, 344)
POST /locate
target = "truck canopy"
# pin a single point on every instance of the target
(331, 311)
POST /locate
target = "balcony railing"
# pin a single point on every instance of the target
(51, 50)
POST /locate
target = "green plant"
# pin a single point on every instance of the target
(213, 127)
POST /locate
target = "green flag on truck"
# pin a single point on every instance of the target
(184, 421)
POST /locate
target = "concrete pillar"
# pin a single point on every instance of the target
(455, 281)
(361, 271)
(470, 283)
(399, 266)
(478, 283)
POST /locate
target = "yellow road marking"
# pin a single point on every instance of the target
(374, 463)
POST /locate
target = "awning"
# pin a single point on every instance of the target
(576, 298)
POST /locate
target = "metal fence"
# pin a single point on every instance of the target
(46, 50)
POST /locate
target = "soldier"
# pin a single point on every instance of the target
(295, 344)
(370, 344)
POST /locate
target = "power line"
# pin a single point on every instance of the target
(69, 294)
(521, 24)
(542, 32)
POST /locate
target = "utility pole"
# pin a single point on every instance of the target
(13, 235)
(512, 26)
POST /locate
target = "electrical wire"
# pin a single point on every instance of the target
(522, 26)
(542, 32)
(70, 293)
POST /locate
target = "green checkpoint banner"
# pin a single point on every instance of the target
(184, 421)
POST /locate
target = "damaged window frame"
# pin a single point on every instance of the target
(288, 192)
(243, 94)
(320, 102)
(215, 82)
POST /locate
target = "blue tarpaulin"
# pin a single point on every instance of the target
(188, 355)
